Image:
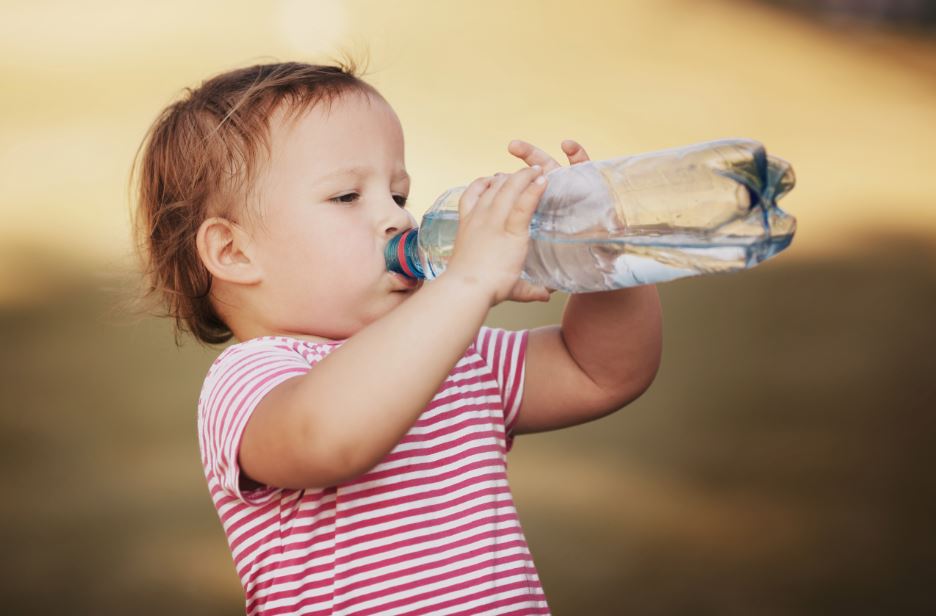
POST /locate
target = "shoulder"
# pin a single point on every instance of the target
(245, 367)
(504, 353)
(501, 347)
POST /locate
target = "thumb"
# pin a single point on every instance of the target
(524, 291)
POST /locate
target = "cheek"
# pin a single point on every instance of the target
(329, 252)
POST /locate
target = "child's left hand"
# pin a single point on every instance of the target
(532, 155)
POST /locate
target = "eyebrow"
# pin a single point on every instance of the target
(360, 171)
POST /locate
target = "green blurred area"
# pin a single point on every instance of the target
(780, 464)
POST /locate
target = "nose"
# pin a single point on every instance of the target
(397, 220)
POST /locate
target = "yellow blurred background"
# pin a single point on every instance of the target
(780, 463)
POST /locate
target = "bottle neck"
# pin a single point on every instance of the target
(402, 254)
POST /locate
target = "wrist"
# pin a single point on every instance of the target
(467, 286)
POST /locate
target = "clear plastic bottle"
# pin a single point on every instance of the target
(699, 209)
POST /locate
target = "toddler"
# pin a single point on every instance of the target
(354, 437)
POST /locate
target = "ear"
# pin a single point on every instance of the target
(226, 250)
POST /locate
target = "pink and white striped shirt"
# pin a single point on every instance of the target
(432, 529)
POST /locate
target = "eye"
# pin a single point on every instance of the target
(342, 199)
(352, 197)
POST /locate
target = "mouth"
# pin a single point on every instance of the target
(401, 283)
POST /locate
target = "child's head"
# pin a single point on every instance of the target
(266, 197)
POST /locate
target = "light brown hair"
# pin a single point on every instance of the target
(200, 158)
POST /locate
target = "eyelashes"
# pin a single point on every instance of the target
(353, 196)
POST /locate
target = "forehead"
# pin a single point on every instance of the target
(343, 132)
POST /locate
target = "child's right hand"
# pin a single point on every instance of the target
(493, 235)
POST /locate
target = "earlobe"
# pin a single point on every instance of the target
(225, 250)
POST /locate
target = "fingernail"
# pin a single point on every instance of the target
(540, 180)
(537, 168)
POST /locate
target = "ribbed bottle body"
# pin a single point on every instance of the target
(644, 219)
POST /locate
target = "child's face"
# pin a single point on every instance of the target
(330, 202)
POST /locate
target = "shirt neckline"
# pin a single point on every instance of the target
(331, 342)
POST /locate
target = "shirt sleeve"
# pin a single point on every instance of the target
(234, 386)
(504, 351)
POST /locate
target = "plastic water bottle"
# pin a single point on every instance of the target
(644, 219)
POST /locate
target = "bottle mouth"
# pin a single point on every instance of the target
(402, 254)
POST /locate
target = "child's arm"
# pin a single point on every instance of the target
(605, 355)
(342, 417)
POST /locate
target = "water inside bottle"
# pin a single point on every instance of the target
(641, 256)
(590, 262)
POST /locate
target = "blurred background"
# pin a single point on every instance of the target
(780, 464)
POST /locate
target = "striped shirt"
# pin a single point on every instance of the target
(432, 529)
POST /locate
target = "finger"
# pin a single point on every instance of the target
(575, 152)
(508, 194)
(532, 155)
(522, 197)
(473, 192)
(487, 197)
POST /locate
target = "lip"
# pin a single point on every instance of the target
(402, 283)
